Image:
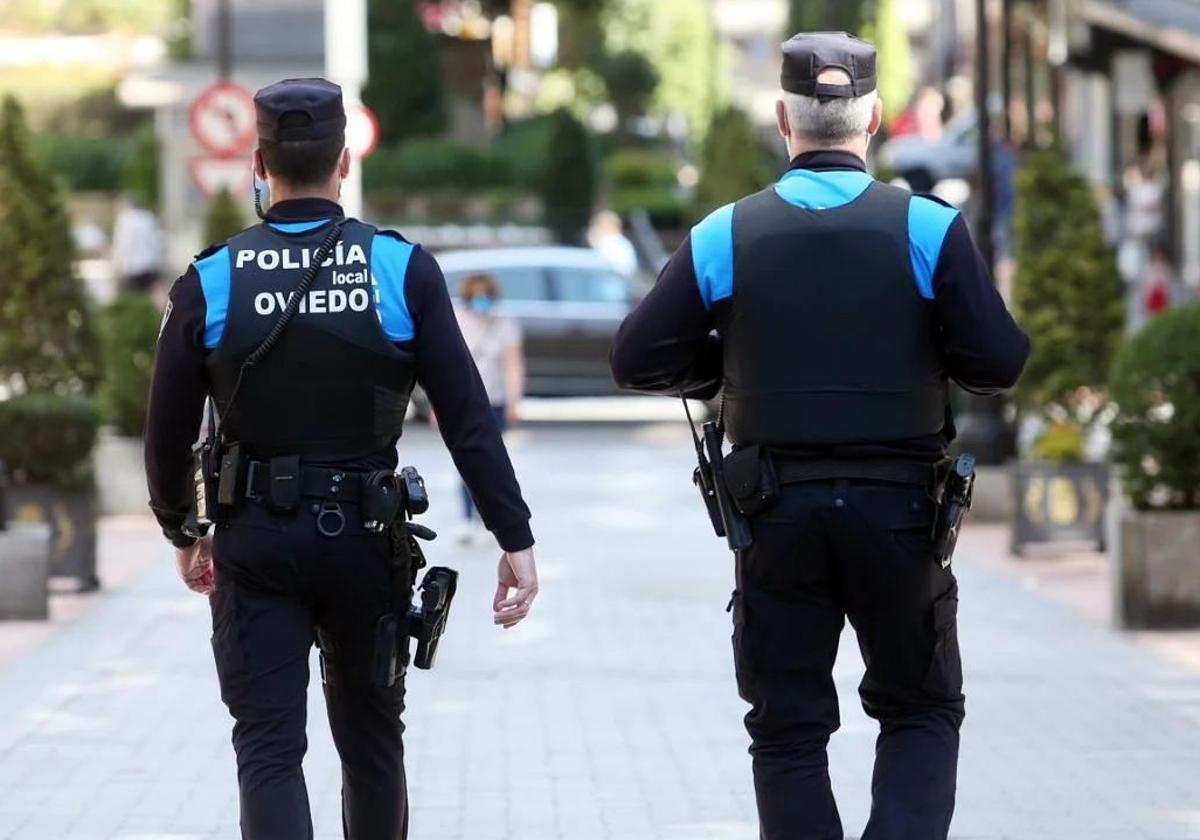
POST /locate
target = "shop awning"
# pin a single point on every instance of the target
(1172, 26)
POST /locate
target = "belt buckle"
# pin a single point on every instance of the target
(331, 509)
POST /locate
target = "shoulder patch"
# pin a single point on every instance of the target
(393, 234)
(209, 251)
(936, 199)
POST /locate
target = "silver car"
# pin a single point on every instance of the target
(569, 302)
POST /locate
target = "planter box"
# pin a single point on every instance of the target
(71, 517)
(1156, 569)
(24, 572)
(1059, 503)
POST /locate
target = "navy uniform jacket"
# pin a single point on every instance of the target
(667, 344)
(416, 313)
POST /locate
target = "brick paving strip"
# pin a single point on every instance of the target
(612, 713)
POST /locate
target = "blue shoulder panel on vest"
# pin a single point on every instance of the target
(928, 223)
(297, 227)
(214, 271)
(712, 255)
(389, 266)
(814, 190)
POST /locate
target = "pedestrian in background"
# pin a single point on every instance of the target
(606, 235)
(832, 311)
(137, 248)
(496, 344)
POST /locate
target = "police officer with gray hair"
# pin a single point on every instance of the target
(309, 332)
(831, 311)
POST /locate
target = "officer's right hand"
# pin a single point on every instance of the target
(195, 564)
(517, 572)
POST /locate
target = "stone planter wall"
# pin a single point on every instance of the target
(24, 571)
(1156, 569)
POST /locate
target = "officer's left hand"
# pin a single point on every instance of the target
(518, 572)
(195, 564)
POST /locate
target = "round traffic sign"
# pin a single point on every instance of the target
(222, 119)
(362, 131)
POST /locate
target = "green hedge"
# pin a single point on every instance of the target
(84, 163)
(640, 168)
(128, 332)
(48, 438)
(429, 163)
(1156, 433)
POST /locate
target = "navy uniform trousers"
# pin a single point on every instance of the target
(826, 551)
(279, 582)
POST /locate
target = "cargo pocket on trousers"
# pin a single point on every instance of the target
(741, 662)
(944, 681)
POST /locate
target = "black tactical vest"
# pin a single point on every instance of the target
(335, 386)
(828, 341)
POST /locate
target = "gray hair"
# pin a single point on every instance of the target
(831, 123)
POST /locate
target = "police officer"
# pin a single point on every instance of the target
(317, 414)
(832, 310)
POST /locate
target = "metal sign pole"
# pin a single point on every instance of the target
(224, 41)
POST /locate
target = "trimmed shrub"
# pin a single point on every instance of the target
(139, 174)
(47, 340)
(1068, 294)
(570, 179)
(128, 332)
(732, 164)
(1156, 433)
(46, 438)
(223, 218)
(525, 148)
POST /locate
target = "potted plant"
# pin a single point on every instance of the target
(1156, 450)
(128, 332)
(1069, 297)
(48, 360)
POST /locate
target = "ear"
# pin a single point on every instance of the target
(781, 120)
(876, 118)
(344, 164)
(260, 171)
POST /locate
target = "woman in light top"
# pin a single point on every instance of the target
(496, 345)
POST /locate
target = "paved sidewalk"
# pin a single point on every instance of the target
(612, 712)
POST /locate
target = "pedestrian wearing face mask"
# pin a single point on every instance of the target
(495, 342)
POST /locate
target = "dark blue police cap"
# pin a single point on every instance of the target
(299, 109)
(807, 55)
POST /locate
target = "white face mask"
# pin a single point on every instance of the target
(262, 195)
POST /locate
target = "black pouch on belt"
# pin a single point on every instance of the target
(381, 501)
(751, 479)
(283, 487)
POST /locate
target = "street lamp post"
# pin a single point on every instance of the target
(985, 434)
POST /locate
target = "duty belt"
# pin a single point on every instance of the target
(893, 471)
(315, 482)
